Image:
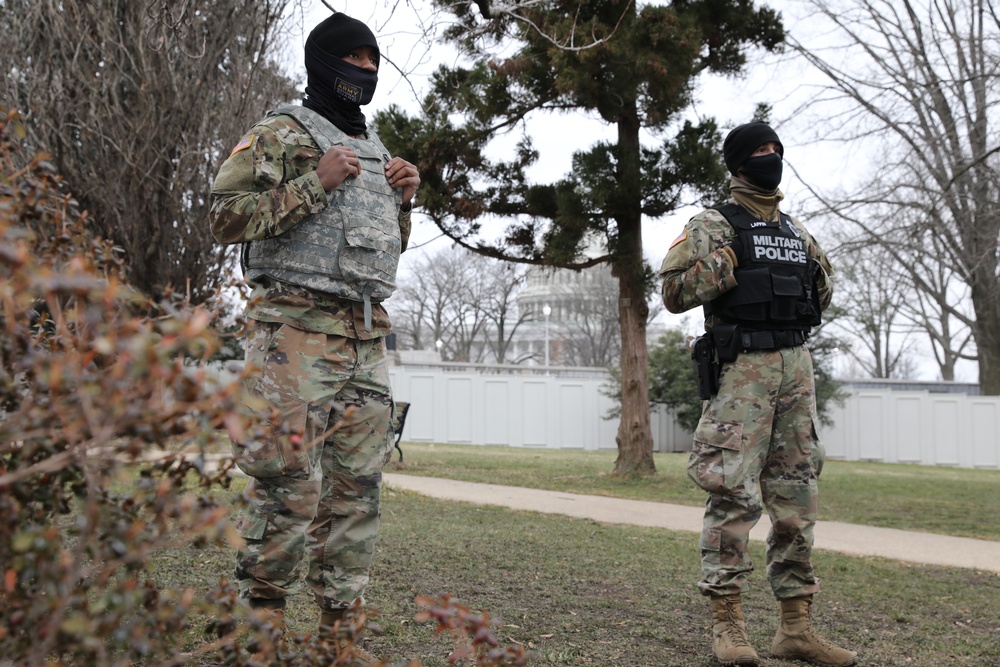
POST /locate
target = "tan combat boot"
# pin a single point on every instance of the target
(334, 629)
(273, 627)
(796, 639)
(276, 619)
(729, 635)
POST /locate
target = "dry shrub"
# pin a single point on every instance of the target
(94, 379)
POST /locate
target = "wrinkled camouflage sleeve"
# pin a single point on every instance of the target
(824, 277)
(405, 224)
(696, 270)
(267, 185)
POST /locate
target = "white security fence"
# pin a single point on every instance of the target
(524, 407)
(916, 427)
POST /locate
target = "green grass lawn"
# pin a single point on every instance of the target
(578, 592)
(950, 501)
(583, 593)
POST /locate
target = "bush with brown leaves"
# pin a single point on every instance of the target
(109, 415)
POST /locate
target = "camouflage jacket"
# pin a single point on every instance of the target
(696, 270)
(267, 186)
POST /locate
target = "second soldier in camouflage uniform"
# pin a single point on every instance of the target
(763, 281)
(323, 213)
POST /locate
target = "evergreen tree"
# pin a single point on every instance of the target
(672, 378)
(635, 71)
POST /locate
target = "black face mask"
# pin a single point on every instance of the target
(337, 89)
(764, 171)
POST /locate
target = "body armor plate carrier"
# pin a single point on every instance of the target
(349, 249)
(776, 287)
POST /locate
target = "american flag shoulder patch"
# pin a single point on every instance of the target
(680, 238)
(245, 142)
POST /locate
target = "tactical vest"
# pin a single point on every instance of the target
(775, 288)
(349, 249)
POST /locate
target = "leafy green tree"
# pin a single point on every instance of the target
(671, 380)
(628, 64)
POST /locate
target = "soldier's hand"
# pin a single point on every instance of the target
(403, 174)
(336, 165)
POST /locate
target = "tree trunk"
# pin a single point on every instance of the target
(635, 437)
(986, 304)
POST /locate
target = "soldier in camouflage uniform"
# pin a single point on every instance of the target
(323, 213)
(763, 281)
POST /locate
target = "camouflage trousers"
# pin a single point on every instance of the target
(316, 466)
(756, 449)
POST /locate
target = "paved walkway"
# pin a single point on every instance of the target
(830, 535)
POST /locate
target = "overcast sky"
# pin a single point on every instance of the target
(403, 30)
(400, 28)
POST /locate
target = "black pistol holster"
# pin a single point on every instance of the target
(706, 366)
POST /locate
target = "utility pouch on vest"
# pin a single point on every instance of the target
(728, 341)
(706, 366)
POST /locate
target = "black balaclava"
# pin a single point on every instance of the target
(335, 87)
(763, 171)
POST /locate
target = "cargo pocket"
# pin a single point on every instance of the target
(277, 446)
(277, 443)
(716, 464)
(251, 529)
(711, 548)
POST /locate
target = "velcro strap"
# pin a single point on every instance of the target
(368, 310)
(366, 297)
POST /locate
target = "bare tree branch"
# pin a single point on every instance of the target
(137, 103)
(920, 81)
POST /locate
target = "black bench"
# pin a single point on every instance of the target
(402, 407)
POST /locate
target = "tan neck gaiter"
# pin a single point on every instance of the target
(762, 203)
